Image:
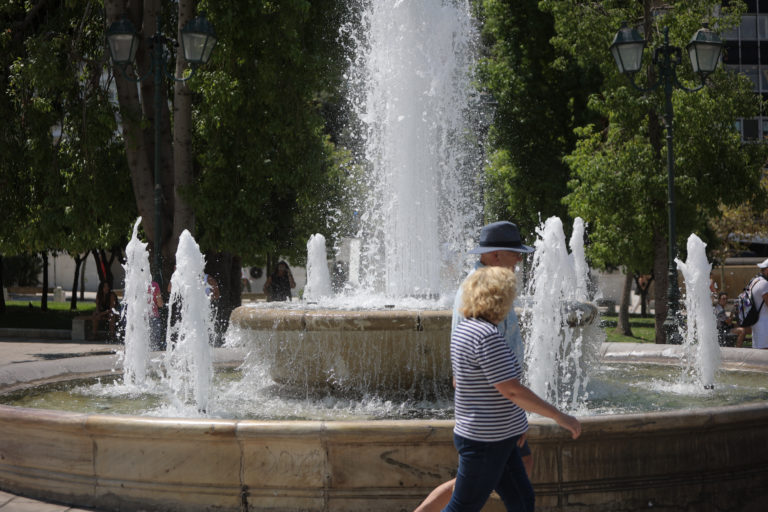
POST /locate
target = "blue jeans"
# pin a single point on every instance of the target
(486, 467)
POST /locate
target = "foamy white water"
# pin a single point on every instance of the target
(411, 86)
(580, 267)
(318, 278)
(188, 362)
(703, 352)
(137, 299)
(557, 356)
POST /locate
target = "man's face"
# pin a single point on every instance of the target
(506, 259)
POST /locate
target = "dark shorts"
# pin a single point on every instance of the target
(525, 450)
(488, 466)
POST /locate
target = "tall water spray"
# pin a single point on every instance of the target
(703, 352)
(318, 277)
(412, 88)
(189, 353)
(557, 356)
(137, 299)
(580, 267)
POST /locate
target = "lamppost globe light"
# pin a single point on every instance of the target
(627, 49)
(704, 50)
(198, 40)
(123, 41)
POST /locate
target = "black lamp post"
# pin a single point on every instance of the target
(704, 51)
(197, 40)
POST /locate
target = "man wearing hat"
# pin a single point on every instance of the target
(760, 296)
(500, 245)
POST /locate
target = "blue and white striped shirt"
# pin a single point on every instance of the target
(480, 358)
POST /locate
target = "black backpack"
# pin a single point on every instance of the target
(746, 312)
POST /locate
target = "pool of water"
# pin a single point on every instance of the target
(613, 389)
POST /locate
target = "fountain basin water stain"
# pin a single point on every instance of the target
(705, 459)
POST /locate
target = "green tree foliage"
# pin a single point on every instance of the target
(541, 95)
(269, 174)
(619, 183)
(64, 179)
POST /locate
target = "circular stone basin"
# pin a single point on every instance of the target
(705, 459)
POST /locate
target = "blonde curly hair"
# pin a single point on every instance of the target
(488, 293)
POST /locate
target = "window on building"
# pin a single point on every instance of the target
(762, 26)
(751, 129)
(748, 27)
(730, 35)
(764, 78)
(764, 52)
(749, 52)
(765, 127)
(731, 52)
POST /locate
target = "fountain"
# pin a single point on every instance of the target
(702, 459)
(412, 89)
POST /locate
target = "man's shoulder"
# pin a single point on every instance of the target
(761, 285)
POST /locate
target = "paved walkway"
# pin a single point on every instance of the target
(14, 350)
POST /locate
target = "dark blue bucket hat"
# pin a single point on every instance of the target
(500, 236)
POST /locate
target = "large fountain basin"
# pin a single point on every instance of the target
(708, 459)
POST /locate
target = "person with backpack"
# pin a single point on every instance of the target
(729, 334)
(759, 288)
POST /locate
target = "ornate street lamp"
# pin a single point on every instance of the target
(704, 51)
(198, 40)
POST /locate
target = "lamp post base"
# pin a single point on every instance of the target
(672, 322)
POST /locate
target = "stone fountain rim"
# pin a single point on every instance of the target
(31, 374)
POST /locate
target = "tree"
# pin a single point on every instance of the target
(541, 96)
(61, 154)
(619, 164)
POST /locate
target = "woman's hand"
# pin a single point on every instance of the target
(570, 423)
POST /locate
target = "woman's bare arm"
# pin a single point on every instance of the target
(524, 398)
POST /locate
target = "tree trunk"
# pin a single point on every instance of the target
(139, 121)
(78, 264)
(183, 167)
(100, 270)
(225, 268)
(623, 326)
(644, 298)
(107, 265)
(44, 298)
(82, 276)
(139, 158)
(660, 259)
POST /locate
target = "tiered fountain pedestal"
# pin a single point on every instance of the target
(367, 350)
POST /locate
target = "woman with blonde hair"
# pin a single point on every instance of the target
(490, 401)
